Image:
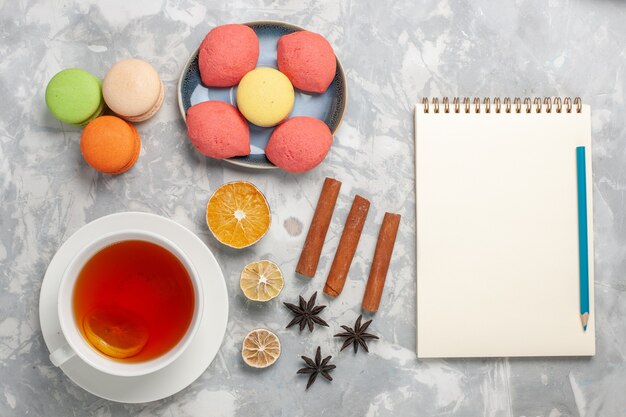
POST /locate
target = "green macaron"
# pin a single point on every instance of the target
(74, 96)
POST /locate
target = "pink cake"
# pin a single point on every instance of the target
(308, 60)
(299, 144)
(227, 53)
(218, 130)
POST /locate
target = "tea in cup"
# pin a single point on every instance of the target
(129, 304)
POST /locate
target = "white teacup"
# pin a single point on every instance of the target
(78, 346)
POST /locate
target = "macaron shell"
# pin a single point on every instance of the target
(110, 145)
(299, 144)
(131, 87)
(265, 96)
(74, 96)
(152, 111)
(307, 59)
(217, 130)
(135, 155)
(226, 54)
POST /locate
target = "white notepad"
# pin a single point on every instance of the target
(497, 230)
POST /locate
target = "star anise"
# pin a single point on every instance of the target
(306, 313)
(317, 367)
(356, 336)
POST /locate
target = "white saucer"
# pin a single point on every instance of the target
(191, 364)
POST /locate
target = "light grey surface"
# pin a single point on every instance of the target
(393, 53)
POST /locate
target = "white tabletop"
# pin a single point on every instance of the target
(394, 53)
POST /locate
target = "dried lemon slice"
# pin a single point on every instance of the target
(117, 333)
(238, 214)
(261, 348)
(261, 280)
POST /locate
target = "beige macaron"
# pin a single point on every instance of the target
(133, 89)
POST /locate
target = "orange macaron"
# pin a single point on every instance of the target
(110, 145)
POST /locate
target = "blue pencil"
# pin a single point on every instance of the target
(583, 249)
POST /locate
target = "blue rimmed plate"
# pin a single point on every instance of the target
(328, 106)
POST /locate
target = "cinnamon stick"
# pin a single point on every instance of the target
(310, 256)
(347, 246)
(380, 264)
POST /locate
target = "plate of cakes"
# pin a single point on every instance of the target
(263, 95)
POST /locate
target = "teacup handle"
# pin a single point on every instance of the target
(62, 355)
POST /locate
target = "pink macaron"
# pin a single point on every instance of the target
(299, 144)
(308, 60)
(218, 130)
(226, 54)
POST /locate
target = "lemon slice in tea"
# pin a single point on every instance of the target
(117, 333)
(261, 281)
(261, 348)
(238, 214)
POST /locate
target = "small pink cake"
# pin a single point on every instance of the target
(218, 130)
(299, 144)
(308, 60)
(227, 53)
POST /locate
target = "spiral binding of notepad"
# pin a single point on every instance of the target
(505, 105)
